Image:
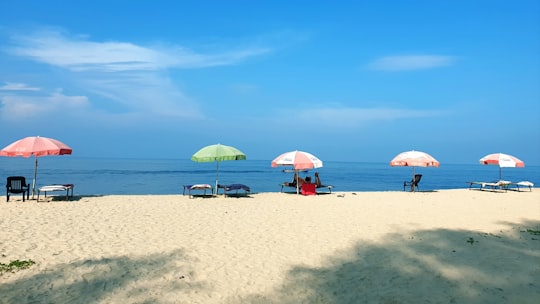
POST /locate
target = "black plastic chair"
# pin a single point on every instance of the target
(413, 183)
(17, 185)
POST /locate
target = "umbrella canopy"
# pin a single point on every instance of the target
(414, 159)
(502, 160)
(217, 153)
(35, 146)
(299, 160)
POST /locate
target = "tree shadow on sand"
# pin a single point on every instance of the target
(96, 280)
(429, 266)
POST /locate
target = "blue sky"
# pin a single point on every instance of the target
(346, 81)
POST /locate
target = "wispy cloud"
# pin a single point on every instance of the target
(415, 62)
(80, 54)
(12, 86)
(362, 115)
(357, 117)
(21, 107)
(134, 77)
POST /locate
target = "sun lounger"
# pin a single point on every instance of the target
(500, 185)
(327, 187)
(523, 184)
(199, 187)
(234, 187)
(51, 188)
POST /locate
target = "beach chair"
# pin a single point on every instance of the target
(309, 189)
(413, 183)
(327, 187)
(17, 185)
(234, 187)
(493, 186)
(525, 184)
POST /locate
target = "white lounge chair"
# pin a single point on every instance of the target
(500, 185)
(200, 187)
(523, 184)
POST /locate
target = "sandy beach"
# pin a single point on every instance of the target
(447, 246)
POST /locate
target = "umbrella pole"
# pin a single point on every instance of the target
(217, 170)
(500, 173)
(34, 181)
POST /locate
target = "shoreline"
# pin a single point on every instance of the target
(390, 246)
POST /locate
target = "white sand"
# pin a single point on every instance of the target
(449, 246)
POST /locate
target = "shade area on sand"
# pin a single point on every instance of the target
(450, 246)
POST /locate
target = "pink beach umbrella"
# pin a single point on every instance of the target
(299, 160)
(414, 159)
(35, 146)
(502, 160)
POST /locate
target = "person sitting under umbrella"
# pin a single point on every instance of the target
(307, 180)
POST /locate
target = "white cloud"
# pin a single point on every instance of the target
(416, 62)
(12, 86)
(122, 73)
(145, 93)
(21, 107)
(78, 54)
(357, 117)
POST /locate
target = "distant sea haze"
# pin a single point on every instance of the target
(102, 176)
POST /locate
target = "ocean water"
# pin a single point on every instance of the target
(102, 176)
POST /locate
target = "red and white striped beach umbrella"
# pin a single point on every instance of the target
(298, 159)
(502, 160)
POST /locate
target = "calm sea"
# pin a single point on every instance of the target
(98, 176)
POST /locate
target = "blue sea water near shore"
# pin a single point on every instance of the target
(102, 176)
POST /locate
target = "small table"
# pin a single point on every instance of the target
(50, 188)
